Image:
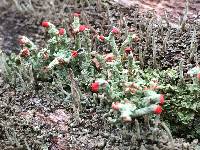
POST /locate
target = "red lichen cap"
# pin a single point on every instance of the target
(22, 41)
(162, 99)
(74, 54)
(25, 53)
(109, 57)
(128, 50)
(115, 30)
(198, 76)
(101, 38)
(45, 24)
(94, 87)
(82, 28)
(115, 105)
(77, 14)
(61, 31)
(157, 110)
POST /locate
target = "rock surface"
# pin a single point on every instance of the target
(175, 7)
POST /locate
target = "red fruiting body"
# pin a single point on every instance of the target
(115, 31)
(155, 87)
(127, 50)
(82, 28)
(109, 57)
(115, 105)
(94, 87)
(136, 39)
(45, 24)
(158, 110)
(74, 54)
(162, 99)
(101, 38)
(22, 41)
(61, 31)
(25, 53)
(77, 14)
(198, 76)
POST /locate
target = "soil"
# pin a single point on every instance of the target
(40, 121)
(37, 120)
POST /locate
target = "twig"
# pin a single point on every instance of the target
(75, 93)
(168, 131)
(154, 50)
(126, 27)
(165, 41)
(193, 46)
(141, 59)
(185, 16)
(27, 146)
(166, 19)
(181, 71)
(109, 15)
(137, 125)
(99, 5)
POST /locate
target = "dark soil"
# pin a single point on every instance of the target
(37, 120)
(41, 122)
